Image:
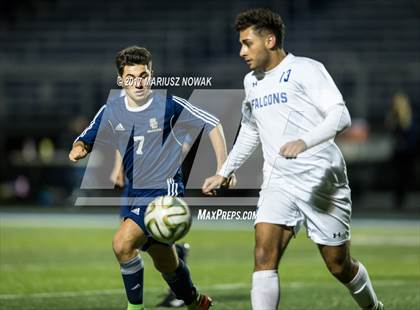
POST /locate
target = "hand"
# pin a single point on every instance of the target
(229, 182)
(77, 152)
(291, 149)
(211, 183)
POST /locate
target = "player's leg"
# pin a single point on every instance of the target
(177, 275)
(170, 300)
(328, 223)
(128, 238)
(351, 273)
(278, 219)
(271, 241)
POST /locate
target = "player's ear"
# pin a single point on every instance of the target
(270, 41)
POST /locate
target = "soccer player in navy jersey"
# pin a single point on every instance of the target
(169, 300)
(148, 129)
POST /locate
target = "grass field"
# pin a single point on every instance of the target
(63, 267)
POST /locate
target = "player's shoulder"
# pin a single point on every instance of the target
(179, 102)
(176, 99)
(305, 63)
(114, 102)
(306, 70)
(175, 104)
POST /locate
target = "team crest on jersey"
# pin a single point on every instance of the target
(154, 125)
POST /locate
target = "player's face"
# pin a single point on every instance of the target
(136, 82)
(253, 48)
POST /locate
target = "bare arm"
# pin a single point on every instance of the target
(218, 142)
(117, 174)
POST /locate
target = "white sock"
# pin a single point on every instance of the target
(361, 289)
(265, 292)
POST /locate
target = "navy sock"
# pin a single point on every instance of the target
(181, 284)
(132, 274)
(182, 251)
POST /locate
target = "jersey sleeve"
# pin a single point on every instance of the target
(99, 130)
(247, 141)
(336, 120)
(193, 117)
(319, 86)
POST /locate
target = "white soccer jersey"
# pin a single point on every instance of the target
(295, 100)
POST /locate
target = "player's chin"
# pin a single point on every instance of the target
(143, 94)
(139, 98)
(250, 65)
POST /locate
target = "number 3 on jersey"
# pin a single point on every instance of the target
(140, 140)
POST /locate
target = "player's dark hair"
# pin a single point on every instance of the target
(133, 55)
(262, 19)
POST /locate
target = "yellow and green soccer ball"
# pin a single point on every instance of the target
(168, 218)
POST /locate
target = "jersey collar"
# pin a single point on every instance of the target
(140, 108)
(282, 63)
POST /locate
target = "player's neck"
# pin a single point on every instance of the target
(275, 58)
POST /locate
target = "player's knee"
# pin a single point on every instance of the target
(339, 267)
(337, 270)
(122, 248)
(265, 258)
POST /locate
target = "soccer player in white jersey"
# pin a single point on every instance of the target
(294, 108)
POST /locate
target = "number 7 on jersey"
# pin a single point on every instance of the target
(140, 140)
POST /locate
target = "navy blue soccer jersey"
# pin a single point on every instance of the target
(149, 138)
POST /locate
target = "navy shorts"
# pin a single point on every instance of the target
(134, 208)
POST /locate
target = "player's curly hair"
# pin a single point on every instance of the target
(262, 19)
(132, 55)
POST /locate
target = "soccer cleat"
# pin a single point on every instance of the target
(380, 306)
(170, 301)
(203, 302)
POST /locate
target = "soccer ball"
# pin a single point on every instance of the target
(168, 219)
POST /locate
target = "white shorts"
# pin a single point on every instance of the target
(326, 217)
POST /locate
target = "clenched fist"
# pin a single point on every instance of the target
(78, 151)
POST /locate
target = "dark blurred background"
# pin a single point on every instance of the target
(57, 68)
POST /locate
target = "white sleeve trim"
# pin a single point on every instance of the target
(197, 112)
(90, 125)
